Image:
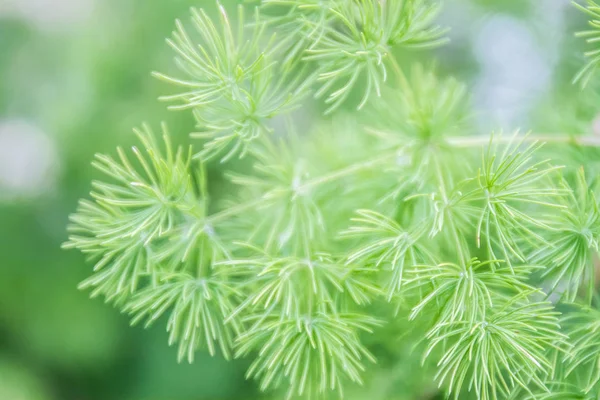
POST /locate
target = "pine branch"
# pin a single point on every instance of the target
(502, 351)
(198, 306)
(314, 354)
(573, 242)
(592, 36)
(362, 40)
(551, 139)
(229, 84)
(267, 275)
(132, 213)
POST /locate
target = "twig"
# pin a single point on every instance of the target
(472, 141)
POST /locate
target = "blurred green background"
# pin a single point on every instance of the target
(75, 78)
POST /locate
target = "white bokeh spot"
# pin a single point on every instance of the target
(29, 162)
(49, 15)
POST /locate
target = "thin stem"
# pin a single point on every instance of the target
(203, 269)
(346, 171)
(473, 141)
(442, 182)
(404, 85)
(461, 142)
(235, 210)
(240, 208)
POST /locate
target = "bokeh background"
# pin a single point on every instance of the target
(75, 78)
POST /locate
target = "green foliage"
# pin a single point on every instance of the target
(584, 331)
(464, 292)
(369, 31)
(569, 254)
(198, 308)
(141, 230)
(592, 36)
(390, 247)
(427, 108)
(301, 25)
(229, 83)
(506, 182)
(295, 217)
(503, 349)
(314, 353)
(316, 250)
(141, 205)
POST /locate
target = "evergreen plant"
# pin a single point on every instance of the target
(342, 239)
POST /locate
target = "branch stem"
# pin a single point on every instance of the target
(341, 173)
(482, 140)
(235, 210)
(240, 208)
(473, 141)
(459, 142)
(448, 215)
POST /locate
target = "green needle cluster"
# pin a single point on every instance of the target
(340, 239)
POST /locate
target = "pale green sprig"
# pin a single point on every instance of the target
(564, 392)
(454, 217)
(359, 44)
(592, 36)
(197, 307)
(314, 354)
(300, 27)
(294, 218)
(131, 213)
(222, 60)
(154, 248)
(583, 328)
(424, 107)
(513, 187)
(417, 118)
(230, 83)
(387, 246)
(573, 242)
(464, 292)
(267, 276)
(294, 286)
(505, 349)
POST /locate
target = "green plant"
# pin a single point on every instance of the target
(475, 240)
(592, 35)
